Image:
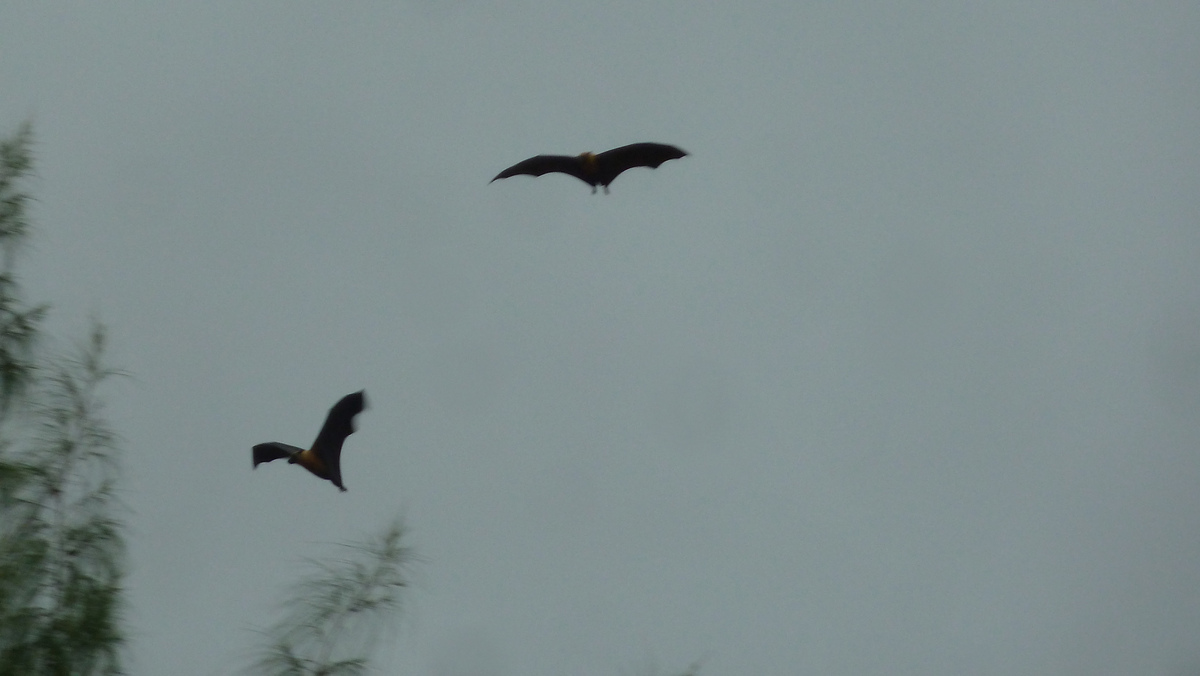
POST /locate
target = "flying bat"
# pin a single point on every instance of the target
(324, 459)
(597, 170)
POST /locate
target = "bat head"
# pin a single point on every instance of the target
(589, 161)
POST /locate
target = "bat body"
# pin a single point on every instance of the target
(597, 170)
(324, 459)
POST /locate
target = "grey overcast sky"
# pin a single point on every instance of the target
(897, 373)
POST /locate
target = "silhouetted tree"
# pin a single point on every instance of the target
(333, 618)
(61, 547)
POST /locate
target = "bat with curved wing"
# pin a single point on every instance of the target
(324, 459)
(597, 169)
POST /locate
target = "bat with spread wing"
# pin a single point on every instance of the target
(597, 169)
(324, 459)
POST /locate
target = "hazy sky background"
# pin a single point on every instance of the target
(897, 373)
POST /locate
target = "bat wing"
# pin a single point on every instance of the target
(273, 451)
(545, 164)
(610, 163)
(339, 424)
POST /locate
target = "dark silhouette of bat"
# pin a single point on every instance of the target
(325, 457)
(597, 169)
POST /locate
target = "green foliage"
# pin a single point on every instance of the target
(61, 547)
(18, 324)
(335, 616)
